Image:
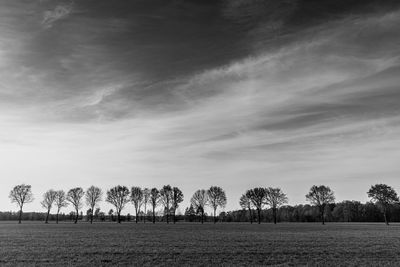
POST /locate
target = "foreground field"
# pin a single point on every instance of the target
(195, 244)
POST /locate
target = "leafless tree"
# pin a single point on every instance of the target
(165, 199)
(48, 199)
(321, 196)
(257, 196)
(217, 198)
(137, 200)
(21, 194)
(119, 197)
(146, 199)
(93, 196)
(177, 198)
(61, 202)
(154, 197)
(245, 203)
(384, 196)
(275, 198)
(199, 201)
(74, 196)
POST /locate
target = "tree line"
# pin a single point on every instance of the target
(168, 197)
(256, 204)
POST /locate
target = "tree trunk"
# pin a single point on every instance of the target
(322, 215)
(167, 214)
(20, 215)
(145, 215)
(384, 215)
(136, 219)
(119, 217)
(215, 218)
(274, 214)
(202, 217)
(47, 216)
(91, 215)
(174, 218)
(57, 218)
(154, 216)
(251, 216)
(77, 216)
(259, 215)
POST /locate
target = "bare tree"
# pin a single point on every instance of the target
(199, 201)
(93, 196)
(217, 198)
(275, 198)
(165, 199)
(74, 196)
(61, 202)
(119, 197)
(245, 203)
(177, 198)
(321, 196)
(257, 196)
(384, 196)
(154, 197)
(137, 200)
(146, 199)
(48, 199)
(21, 194)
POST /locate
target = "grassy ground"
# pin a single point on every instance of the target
(229, 244)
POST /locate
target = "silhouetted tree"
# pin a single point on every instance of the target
(165, 199)
(257, 196)
(154, 197)
(245, 203)
(321, 196)
(93, 197)
(384, 196)
(21, 194)
(137, 200)
(146, 200)
(275, 198)
(216, 198)
(199, 201)
(119, 197)
(177, 198)
(74, 196)
(60, 201)
(48, 199)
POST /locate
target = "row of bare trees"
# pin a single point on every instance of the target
(319, 195)
(168, 197)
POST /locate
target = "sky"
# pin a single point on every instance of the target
(195, 93)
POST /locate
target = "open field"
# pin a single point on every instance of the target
(228, 244)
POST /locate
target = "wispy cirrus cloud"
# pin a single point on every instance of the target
(58, 13)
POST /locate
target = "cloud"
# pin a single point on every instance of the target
(58, 13)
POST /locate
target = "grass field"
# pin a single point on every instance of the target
(286, 244)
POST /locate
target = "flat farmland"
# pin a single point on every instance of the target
(229, 244)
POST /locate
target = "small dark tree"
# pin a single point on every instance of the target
(199, 201)
(119, 197)
(93, 197)
(257, 196)
(245, 203)
(275, 198)
(321, 196)
(21, 194)
(165, 199)
(48, 199)
(216, 198)
(384, 196)
(61, 202)
(74, 196)
(137, 200)
(177, 198)
(154, 197)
